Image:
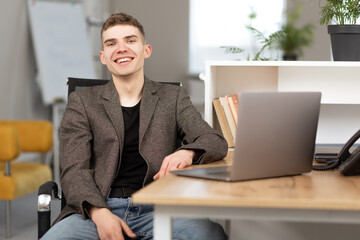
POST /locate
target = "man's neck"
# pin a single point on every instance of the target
(129, 89)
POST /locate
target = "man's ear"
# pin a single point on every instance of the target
(102, 57)
(148, 51)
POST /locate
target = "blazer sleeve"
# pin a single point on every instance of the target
(196, 132)
(76, 138)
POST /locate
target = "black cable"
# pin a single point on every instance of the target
(330, 164)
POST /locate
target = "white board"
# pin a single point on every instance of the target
(62, 47)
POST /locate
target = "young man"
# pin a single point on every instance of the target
(117, 138)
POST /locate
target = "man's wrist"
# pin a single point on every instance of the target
(94, 211)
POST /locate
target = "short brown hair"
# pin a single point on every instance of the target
(122, 19)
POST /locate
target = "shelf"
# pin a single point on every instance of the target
(339, 83)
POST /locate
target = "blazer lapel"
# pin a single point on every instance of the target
(147, 107)
(113, 109)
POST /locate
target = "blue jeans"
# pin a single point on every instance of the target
(140, 220)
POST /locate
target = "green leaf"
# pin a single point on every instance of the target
(232, 49)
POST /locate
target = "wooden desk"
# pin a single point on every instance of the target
(316, 197)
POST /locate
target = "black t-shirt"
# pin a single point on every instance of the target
(133, 167)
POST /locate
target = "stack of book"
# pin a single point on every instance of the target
(226, 109)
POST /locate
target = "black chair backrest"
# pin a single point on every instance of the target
(79, 83)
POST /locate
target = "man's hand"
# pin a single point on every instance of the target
(109, 226)
(178, 159)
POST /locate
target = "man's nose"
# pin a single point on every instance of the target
(121, 47)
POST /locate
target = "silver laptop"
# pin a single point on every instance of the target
(276, 135)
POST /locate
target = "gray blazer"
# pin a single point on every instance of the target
(92, 137)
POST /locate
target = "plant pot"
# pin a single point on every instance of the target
(290, 57)
(345, 42)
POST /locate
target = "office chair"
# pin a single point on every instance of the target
(50, 189)
(19, 178)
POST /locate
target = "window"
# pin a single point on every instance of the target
(216, 23)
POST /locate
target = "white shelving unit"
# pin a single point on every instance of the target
(339, 83)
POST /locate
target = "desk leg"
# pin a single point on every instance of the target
(162, 224)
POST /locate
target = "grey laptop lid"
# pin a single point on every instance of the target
(276, 135)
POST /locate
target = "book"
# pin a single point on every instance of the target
(225, 104)
(233, 100)
(225, 129)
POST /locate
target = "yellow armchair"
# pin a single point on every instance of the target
(18, 179)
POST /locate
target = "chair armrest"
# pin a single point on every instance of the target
(49, 188)
(45, 193)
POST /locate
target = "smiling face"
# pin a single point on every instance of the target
(124, 51)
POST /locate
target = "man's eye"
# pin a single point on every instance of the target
(110, 44)
(131, 41)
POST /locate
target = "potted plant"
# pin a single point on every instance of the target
(294, 38)
(290, 39)
(344, 32)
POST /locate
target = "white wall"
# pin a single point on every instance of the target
(268, 230)
(166, 26)
(19, 94)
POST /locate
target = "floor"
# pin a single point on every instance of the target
(24, 217)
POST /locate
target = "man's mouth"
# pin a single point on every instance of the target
(123, 60)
